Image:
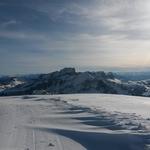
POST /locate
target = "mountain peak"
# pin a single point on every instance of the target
(68, 71)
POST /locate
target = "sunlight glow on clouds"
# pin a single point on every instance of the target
(41, 35)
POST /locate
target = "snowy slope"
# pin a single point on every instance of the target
(13, 82)
(74, 122)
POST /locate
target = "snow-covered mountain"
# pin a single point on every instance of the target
(9, 82)
(68, 81)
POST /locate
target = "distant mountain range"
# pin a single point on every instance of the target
(68, 81)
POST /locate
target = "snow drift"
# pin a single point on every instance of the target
(77, 121)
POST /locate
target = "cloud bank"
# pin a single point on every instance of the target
(45, 35)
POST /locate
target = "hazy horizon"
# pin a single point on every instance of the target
(120, 71)
(40, 36)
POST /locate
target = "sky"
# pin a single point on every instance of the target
(39, 36)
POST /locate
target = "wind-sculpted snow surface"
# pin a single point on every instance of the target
(74, 122)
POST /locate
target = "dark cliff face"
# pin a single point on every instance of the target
(6, 80)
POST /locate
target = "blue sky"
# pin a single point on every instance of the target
(45, 35)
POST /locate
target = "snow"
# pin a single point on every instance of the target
(74, 122)
(112, 103)
(12, 84)
(115, 81)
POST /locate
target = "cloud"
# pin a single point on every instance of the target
(9, 23)
(113, 33)
(16, 35)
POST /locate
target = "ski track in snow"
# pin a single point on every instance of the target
(74, 122)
